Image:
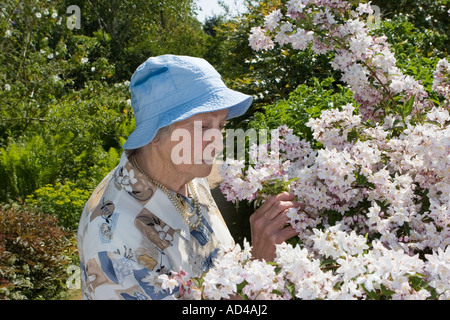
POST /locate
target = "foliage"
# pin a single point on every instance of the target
(80, 135)
(34, 255)
(303, 103)
(423, 14)
(66, 202)
(417, 49)
(137, 30)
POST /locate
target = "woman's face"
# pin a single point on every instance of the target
(194, 143)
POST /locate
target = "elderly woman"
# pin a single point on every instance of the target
(154, 214)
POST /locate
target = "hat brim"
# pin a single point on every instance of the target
(236, 102)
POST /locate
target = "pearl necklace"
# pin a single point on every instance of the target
(176, 203)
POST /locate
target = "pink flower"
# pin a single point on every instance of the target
(259, 41)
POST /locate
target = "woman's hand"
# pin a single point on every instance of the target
(268, 225)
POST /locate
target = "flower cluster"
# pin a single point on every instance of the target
(366, 62)
(355, 272)
(233, 273)
(441, 79)
(272, 163)
(375, 207)
(185, 285)
(394, 188)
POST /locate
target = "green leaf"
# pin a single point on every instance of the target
(291, 289)
(406, 110)
(434, 122)
(413, 70)
(313, 110)
(327, 82)
(371, 294)
(386, 292)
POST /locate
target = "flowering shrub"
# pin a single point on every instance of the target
(357, 273)
(374, 178)
(376, 222)
(441, 83)
(366, 62)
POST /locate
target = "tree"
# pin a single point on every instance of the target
(140, 29)
(64, 110)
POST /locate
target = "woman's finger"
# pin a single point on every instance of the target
(271, 200)
(277, 208)
(286, 234)
(280, 221)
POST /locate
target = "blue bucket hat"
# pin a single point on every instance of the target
(169, 88)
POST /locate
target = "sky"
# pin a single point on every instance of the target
(211, 7)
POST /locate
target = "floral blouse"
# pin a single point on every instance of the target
(130, 233)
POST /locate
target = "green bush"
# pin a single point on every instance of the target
(303, 103)
(80, 142)
(63, 201)
(23, 167)
(34, 255)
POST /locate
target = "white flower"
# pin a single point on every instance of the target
(438, 268)
(84, 60)
(272, 19)
(297, 5)
(397, 84)
(38, 15)
(301, 39)
(360, 45)
(364, 8)
(259, 41)
(355, 27)
(7, 87)
(282, 38)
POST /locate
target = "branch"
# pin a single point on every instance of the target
(24, 119)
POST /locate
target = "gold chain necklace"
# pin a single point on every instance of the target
(176, 203)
